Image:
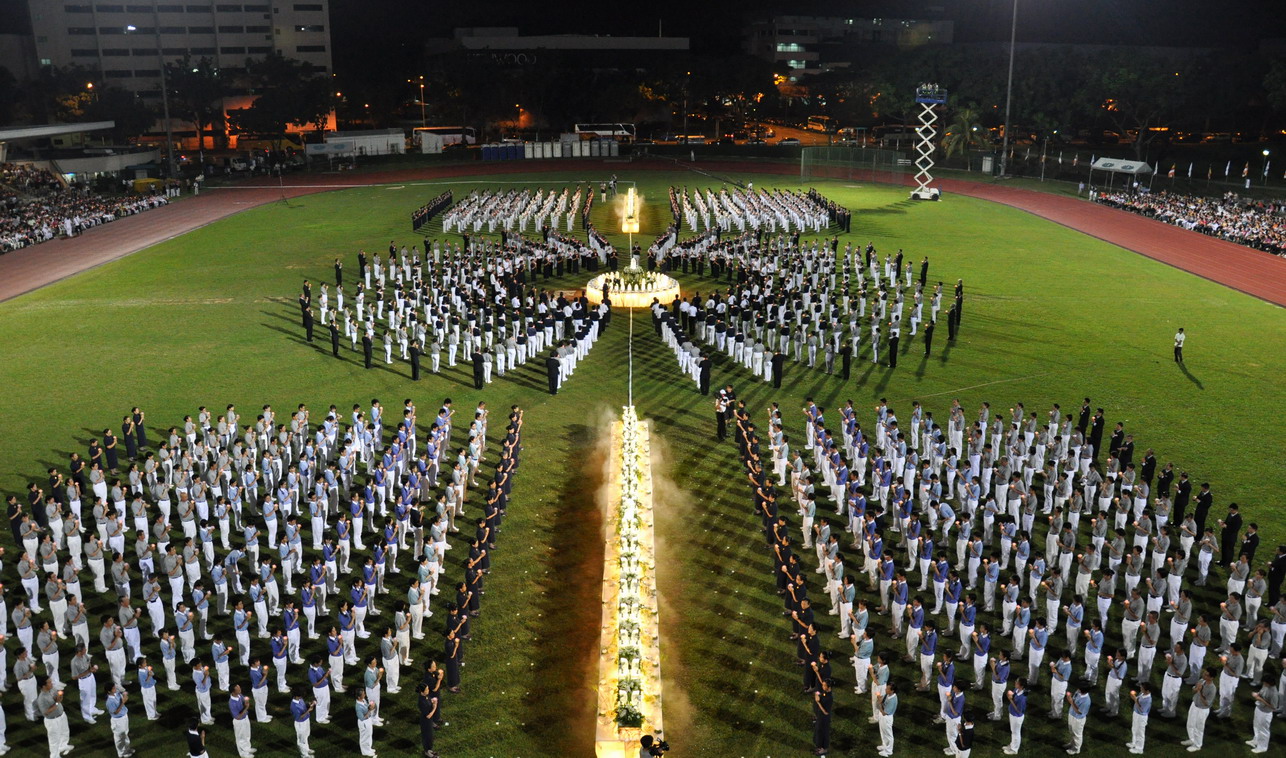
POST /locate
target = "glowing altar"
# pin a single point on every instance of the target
(629, 666)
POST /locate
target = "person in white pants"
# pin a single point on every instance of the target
(1266, 700)
(1142, 698)
(888, 707)
(147, 685)
(49, 704)
(239, 705)
(1204, 694)
(365, 719)
(302, 713)
(116, 698)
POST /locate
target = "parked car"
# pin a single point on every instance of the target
(788, 142)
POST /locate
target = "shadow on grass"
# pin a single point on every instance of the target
(1184, 368)
(561, 715)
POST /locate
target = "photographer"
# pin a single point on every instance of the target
(652, 747)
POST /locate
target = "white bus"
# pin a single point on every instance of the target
(619, 132)
(451, 135)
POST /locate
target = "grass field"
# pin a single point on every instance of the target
(1051, 316)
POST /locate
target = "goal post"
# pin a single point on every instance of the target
(854, 163)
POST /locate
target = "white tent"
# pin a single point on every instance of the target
(1117, 166)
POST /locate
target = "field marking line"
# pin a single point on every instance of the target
(986, 384)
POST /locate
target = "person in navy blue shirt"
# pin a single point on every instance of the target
(1017, 708)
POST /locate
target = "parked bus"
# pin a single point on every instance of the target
(823, 124)
(451, 135)
(619, 132)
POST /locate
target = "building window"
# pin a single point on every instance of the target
(46, 62)
(231, 29)
(177, 52)
(139, 8)
(310, 48)
(202, 51)
(117, 73)
(258, 30)
(796, 64)
(308, 6)
(146, 73)
(232, 50)
(256, 9)
(253, 50)
(228, 8)
(310, 27)
(111, 8)
(84, 52)
(200, 30)
(198, 8)
(116, 52)
(78, 9)
(80, 30)
(169, 9)
(173, 29)
(142, 51)
(789, 47)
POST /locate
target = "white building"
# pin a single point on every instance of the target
(126, 42)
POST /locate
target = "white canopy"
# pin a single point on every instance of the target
(1116, 166)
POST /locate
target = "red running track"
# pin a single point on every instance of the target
(1250, 271)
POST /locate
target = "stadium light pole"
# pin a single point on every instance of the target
(1009, 92)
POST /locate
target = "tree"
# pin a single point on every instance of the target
(964, 133)
(196, 95)
(131, 115)
(289, 92)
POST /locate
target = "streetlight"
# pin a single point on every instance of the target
(165, 93)
(423, 117)
(1265, 167)
(1009, 91)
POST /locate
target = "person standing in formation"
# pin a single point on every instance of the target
(1179, 338)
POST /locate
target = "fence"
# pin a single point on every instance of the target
(854, 163)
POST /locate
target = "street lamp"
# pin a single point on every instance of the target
(1009, 91)
(1265, 167)
(165, 93)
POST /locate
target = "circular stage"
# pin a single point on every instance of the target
(633, 287)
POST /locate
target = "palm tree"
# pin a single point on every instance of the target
(964, 133)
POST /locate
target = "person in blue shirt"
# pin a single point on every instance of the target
(301, 713)
(221, 654)
(290, 624)
(259, 690)
(116, 697)
(1093, 650)
(239, 707)
(202, 681)
(147, 686)
(928, 651)
(887, 707)
(1061, 674)
(1142, 698)
(280, 657)
(952, 710)
(1076, 715)
(1037, 636)
(319, 680)
(1017, 709)
(999, 665)
(980, 642)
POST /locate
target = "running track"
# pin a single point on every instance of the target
(1250, 271)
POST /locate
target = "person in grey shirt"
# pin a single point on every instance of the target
(49, 703)
(24, 672)
(1267, 700)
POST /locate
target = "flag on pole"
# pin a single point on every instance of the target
(1266, 165)
(1227, 170)
(1210, 171)
(1172, 167)
(1245, 172)
(1076, 159)
(1189, 169)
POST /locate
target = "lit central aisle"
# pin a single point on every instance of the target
(629, 666)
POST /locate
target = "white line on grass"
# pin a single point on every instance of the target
(987, 384)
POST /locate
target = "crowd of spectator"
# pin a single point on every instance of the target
(1255, 223)
(35, 207)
